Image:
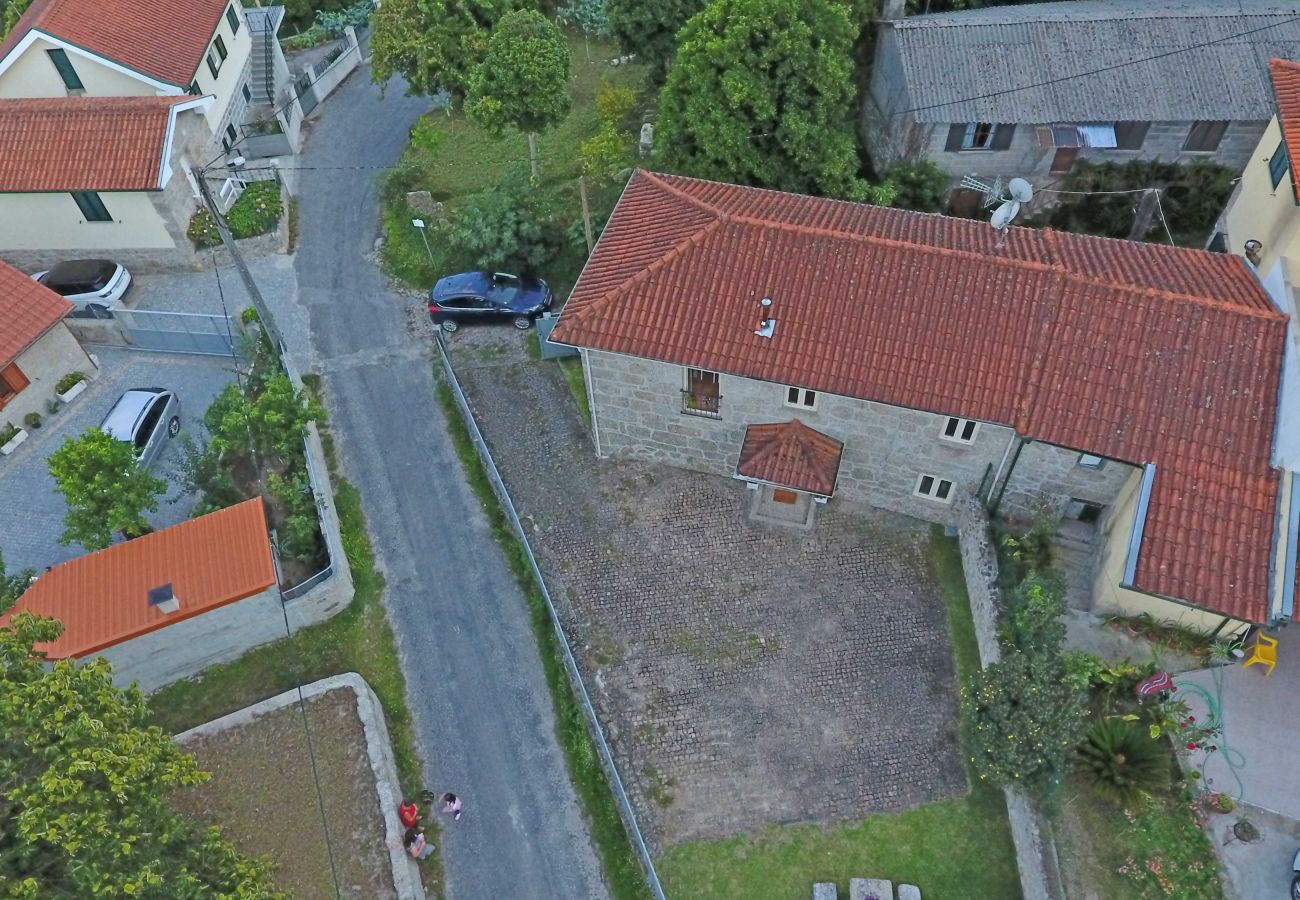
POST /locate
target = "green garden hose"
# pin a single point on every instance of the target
(1232, 757)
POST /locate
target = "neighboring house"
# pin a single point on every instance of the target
(99, 177)
(907, 360)
(169, 604)
(1026, 90)
(36, 348)
(105, 48)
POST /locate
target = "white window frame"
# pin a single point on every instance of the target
(957, 438)
(972, 128)
(1091, 461)
(804, 398)
(935, 482)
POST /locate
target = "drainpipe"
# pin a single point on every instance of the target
(1019, 443)
(1002, 465)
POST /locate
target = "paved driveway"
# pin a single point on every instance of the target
(202, 291)
(33, 511)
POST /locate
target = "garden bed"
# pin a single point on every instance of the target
(257, 211)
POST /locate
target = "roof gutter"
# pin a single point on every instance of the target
(1139, 524)
(1293, 546)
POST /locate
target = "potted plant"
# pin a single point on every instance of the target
(1115, 621)
(11, 436)
(32, 419)
(1139, 624)
(70, 386)
(1221, 803)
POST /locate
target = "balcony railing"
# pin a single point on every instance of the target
(707, 405)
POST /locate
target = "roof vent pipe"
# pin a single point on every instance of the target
(767, 324)
(163, 599)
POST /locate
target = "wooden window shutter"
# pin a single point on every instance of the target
(956, 133)
(1002, 137)
(12, 380)
(1044, 136)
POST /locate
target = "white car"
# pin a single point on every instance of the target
(145, 418)
(95, 286)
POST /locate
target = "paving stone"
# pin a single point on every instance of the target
(825, 891)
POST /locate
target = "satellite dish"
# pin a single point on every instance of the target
(1002, 216)
(1021, 191)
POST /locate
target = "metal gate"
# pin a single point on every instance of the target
(306, 93)
(178, 332)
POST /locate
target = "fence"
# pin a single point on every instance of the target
(570, 663)
(208, 334)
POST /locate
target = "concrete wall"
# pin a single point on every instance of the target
(54, 355)
(33, 75)
(637, 406)
(325, 79)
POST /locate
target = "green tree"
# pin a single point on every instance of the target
(761, 94)
(84, 780)
(921, 186)
(13, 11)
(505, 227)
(13, 586)
(106, 489)
(523, 80)
(1023, 719)
(592, 16)
(433, 44)
(266, 420)
(649, 30)
(1033, 622)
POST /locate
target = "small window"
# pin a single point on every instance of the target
(1088, 461)
(220, 45)
(960, 430)
(1131, 135)
(248, 95)
(933, 488)
(801, 397)
(71, 80)
(1204, 137)
(214, 64)
(232, 19)
(231, 134)
(91, 206)
(979, 136)
(702, 396)
(194, 88)
(1278, 164)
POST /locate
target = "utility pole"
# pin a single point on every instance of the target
(1145, 211)
(586, 212)
(254, 294)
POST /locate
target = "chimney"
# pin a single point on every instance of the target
(893, 9)
(767, 324)
(164, 599)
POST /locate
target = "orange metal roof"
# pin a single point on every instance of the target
(165, 40)
(1136, 352)
(27, 311)
(792, 455)
(1286, 91)
(83, 143)
(102, 598)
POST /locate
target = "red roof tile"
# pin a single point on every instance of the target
(792, 455)
(27, 311)
(1286, 91)
(165, 40)
(83, 143)
(102, 599)
(1136, 352)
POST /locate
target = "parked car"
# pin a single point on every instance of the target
(488, 297)
(95, 286)
(145, 418)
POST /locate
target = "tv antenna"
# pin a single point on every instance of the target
(1019, 192)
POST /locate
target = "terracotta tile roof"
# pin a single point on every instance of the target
(1135, 352)
(83, 143)
(1286, 92)
(27, 311)
(102, 598)
(165, 40)
(792, 455)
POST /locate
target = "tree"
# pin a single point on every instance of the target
(13, 11)
(106, 489)
(1023, 719)
(592, 16)
(267, 419)
(433, 44)
(13, 586)
(761, 93)
(650, 29)
(84, 780)
(523, 80)
(504, 227)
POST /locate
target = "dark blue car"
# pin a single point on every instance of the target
(488, 297)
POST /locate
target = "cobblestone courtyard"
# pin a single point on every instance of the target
(745, 675)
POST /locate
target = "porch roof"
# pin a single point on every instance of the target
(790, 454)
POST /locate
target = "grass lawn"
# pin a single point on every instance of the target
(358, 639)
(953, 848)
(450, 157)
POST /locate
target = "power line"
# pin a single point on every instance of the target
(1163, 221)
(1102, 70)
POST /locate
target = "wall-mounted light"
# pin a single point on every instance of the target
(1253, 249)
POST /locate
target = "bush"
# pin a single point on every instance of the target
(309, 38)
(921, 186)
(1033, 622)
(249, 315)
(1123, 761)
(614, 103)
(505, 227)
(7, 433)
(257, 211)
(32, 420)
(1171, 853)
(13, 586)
(333, 23)
(69, 381)
(605, 154)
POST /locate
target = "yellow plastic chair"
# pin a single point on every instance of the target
(1264, 652)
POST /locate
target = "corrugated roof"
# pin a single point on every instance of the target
(27, 311)
(102, 598)
(83, 143)
(1286, 91)
(1135, 352)
(791, 454)
(950, 58)
(165, 39)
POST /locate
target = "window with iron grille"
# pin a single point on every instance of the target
(702, 394)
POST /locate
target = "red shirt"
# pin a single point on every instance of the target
(409, 813)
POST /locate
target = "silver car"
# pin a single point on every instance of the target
(145, 418)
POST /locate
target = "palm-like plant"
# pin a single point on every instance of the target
(1125, 763)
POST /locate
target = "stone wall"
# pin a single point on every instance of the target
(54, 355)
(637, 408)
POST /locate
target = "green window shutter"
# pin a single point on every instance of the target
(64, 66)
(221, 48)
(1278, 164)
(91, 206)
(1002, 137)
(956, 133)
(232, 18)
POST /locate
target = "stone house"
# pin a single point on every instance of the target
(99, 177)
(169, 604)
(36, 347)
(817, 349)
(1026, 90)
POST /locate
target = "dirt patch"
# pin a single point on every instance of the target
(263, 795)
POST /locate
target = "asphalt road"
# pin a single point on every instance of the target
(474, 679)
